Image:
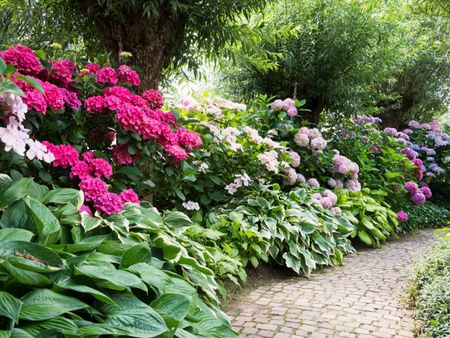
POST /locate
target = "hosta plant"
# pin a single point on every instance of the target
(68, 274)
(291, 229)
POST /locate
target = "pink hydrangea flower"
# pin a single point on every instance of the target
(130, 117)
(109, 203)
(80, 170)
(295, 159)
(53, 96)
(23, 59)
(178, 153)
(106, 75)
(62, 72)
(85, 208)
(121, 155)
(189, 139)
(301, 179)
(100, 167)
(65, 155)
(93, 188)
(411, 186)
(154, 98)
(129, 195)
(418, 198)
(313, 183)
(402, 216)
(126, 74)
(292, 111)
(94, 104)
(426, 191)
(70, 98)
(91, 68)
(35, 100)
(277, 105)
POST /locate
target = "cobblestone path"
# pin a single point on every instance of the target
(361, 299)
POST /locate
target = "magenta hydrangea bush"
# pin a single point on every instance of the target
(89, 121)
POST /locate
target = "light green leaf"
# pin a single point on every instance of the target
(42, 304)
(46, 223)
(12, 234)
(15, 191)
(9, 306)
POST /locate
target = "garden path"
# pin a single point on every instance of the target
(363, 298)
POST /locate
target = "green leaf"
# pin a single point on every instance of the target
(9, 306)
(17, 215)
(2, 66)
(67, 282)
(12, 234)
(42, 304)
(11, 87)
(63, 196)
(89, 223)
(46, 223)
(53, 327)
(5, 182)
(176, 219)
(364, 237)
(15, 191)
(108, 277)
(31, 82)
(140, 253)
(172, 307)
(134, 316)
(26, 277)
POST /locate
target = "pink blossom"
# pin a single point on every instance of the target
(88, 156)
(418, 198)
(189, 139)
(35, 100)
(65, 155)
(106, 75)
(154, 98)
(426, 191)
(81, 170)
(292, 111)
(94, 104)
(313, 183)
(121, 155)
(178, 153)
(92, 68)
(53, 96)
(85, 208)
(70, 98)
(402, 216)
(109, 203)
(93, 188)
(277, 105)
(101, 167)
(62, 72)
(295, 159)
(301, 179)
(129, 195)
(326, 202)
(23, 59)
(126, 74)
(130, 117)
(411, 186)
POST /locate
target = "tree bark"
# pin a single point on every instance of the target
(152, 41)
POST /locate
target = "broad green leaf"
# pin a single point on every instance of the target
(26, 277)
(139, 319)
(12, 234)
(364, 237)
(15, 191)
(46, 223)
(52, 327)
(67, 282)
(42, 304)
(172, 307)
(140, 253)
(108, 277)
(176, 219)
(9, 306)
(5, 182)
(89, 223)
(31, 82)
(11, 87)
(17, 215)
(63, 196)
(2, 66)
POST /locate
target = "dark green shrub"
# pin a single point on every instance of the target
(425, 215)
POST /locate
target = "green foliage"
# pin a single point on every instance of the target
(135, 273)
(288, 228)
(425, 215)
(430, 290)
(373, 219)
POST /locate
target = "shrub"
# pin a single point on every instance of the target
(431, 290)
(425, 215)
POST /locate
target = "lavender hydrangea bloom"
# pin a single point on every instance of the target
(391, 131)
(413, 124)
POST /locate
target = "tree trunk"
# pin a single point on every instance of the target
(152, 41)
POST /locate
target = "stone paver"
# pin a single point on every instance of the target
(363, 298)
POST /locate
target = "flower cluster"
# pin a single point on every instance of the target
(311, 138)
(367, 120)
(89, 170)
(418, 195)
(345, 173)
(239, 181)
(190, 205)
(402, 216)
(14, 135)
(288, 105)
